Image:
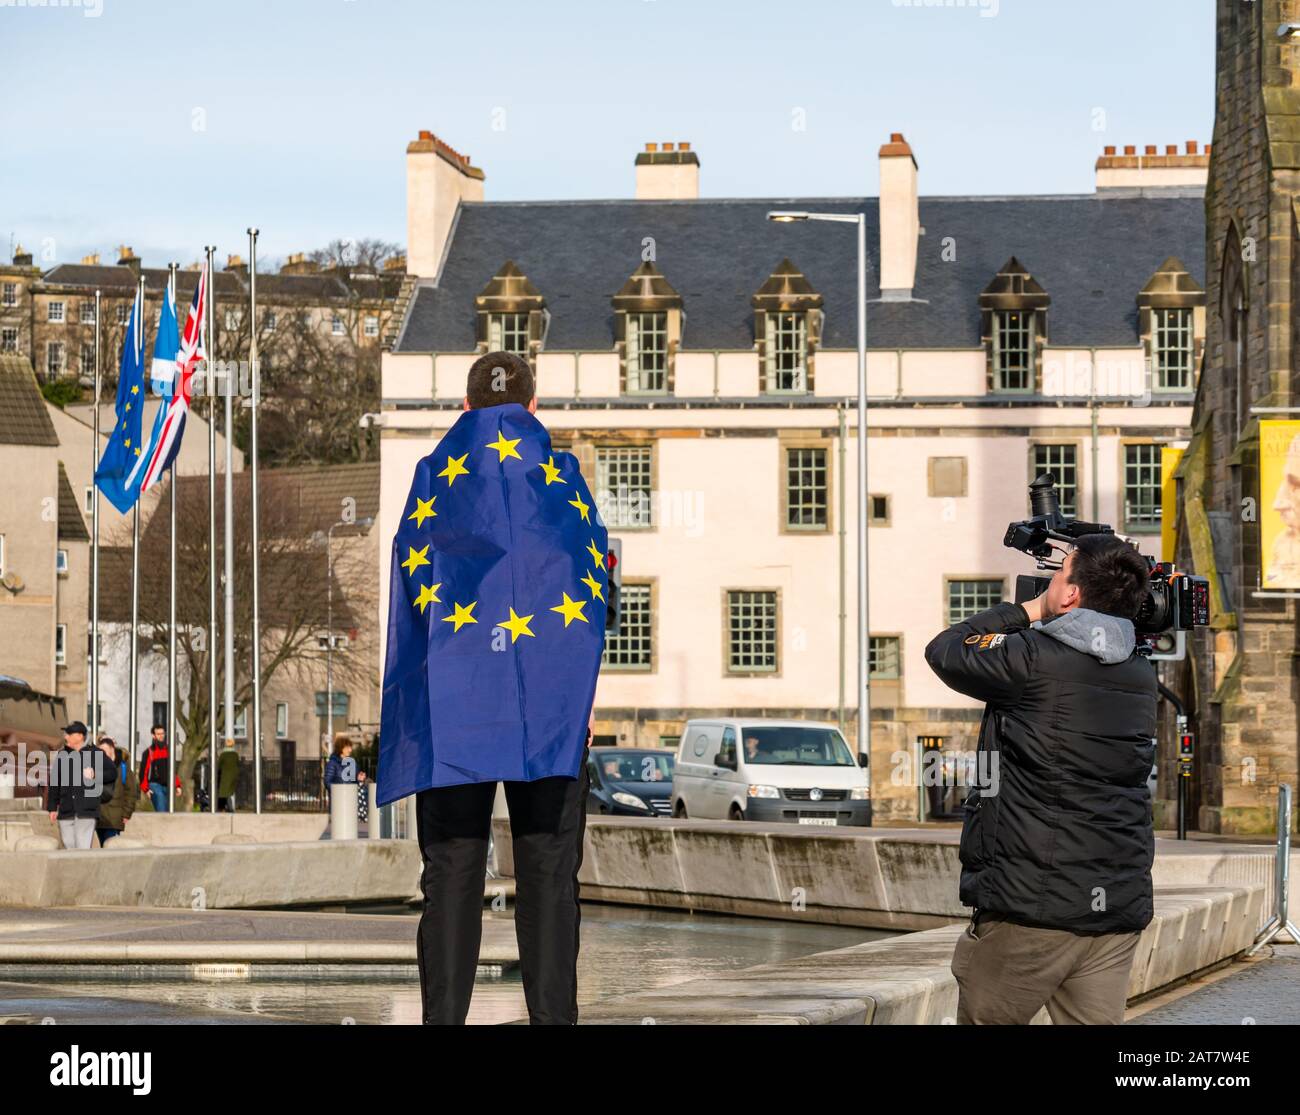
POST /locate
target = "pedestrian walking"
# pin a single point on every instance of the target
(227, 777)
(116, 810)
(156, 773)
(78, 778)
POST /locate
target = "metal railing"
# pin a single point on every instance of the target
(1281, 920)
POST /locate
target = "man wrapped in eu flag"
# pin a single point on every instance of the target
(495, 631)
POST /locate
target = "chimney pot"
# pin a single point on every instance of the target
(668, 146)
(1109, 150)
(683, 147)
(651, 148)
(896, 137)
(426, 135)
(1191, 146)
(1171, 149)
(1151, 149)
(1129, 149)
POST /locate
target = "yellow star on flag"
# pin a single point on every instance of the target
(135, 390)
(428, 595)
(516, 625)
(462, 615)
(596, 555)
(137, 452)
(583, 508)
(127, 442)
(423, 509)
(594, 585)
(455, 467)
(415, 558)
(552, 471)
(505, 447)
(571, 609)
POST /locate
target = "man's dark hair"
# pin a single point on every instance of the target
(500, 377)
(1112, 576)
(158, 728)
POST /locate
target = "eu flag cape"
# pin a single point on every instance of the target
(496, 614)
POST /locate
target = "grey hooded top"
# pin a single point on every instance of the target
(1109, 639)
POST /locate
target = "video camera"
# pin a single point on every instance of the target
(1174, 602)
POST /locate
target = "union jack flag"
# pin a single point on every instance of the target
(174, 362)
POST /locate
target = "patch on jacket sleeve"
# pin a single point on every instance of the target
(984, 642)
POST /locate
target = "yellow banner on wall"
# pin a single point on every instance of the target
(1279, 502)
(1169, 459)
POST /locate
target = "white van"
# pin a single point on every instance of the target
(769, 770)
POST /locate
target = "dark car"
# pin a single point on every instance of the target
(631, 782)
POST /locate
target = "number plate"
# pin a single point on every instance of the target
(818, 820)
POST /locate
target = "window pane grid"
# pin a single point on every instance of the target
(1062, 462)
(968, 598)
(787, 352)
(631, 648)
(508, 333)
(751, 632)
(623, 485)
(1173, 345)
(807, 497)
(1142, 485)
(1013, 351)
(883, 657)
(647, 352)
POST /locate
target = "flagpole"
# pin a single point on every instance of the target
(133, 688)
(171, 617)
(94, 551)
(211, 383)
(252, 442)
(228, 713)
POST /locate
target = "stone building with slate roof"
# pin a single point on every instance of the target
(44, 547)
(1242, 673)
(701, 362)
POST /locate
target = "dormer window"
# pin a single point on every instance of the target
(511, 314)
(787, 325)
(1171, 319)
(648, 323)
(1013, 310)
(647, 352)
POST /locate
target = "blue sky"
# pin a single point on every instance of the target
(170, 125)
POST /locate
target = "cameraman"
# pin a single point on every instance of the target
(1057, 844)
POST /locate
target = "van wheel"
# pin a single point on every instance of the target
(735, 813)
(679, 809)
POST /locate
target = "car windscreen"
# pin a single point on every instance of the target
(637, 766)
(796, 746)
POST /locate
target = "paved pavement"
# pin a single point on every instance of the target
(1263, 992)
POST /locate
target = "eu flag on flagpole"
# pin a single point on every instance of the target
(124, 449)
(496, 618)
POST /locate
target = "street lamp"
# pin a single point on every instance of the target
(329, 619)
(864, 646)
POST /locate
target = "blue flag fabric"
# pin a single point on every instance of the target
(496, 617)
(116, 475)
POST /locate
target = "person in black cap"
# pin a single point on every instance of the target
(78, 778)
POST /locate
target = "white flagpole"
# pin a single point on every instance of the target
(257, 625)
(228, 713)
(94, 551)
(132, 713)
(171, 618)
(211, 382)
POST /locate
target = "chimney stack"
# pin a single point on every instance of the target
(667, 172)
(126, 257)
(1131, 171)
(900, 220)
(91, 260)
(438, 179)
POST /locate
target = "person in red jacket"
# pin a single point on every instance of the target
(157, 769)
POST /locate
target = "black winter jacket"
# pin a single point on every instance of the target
(72, 794)
(1058, 831)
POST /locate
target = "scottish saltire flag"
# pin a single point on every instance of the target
(496, 615)
(124, 449)
(175, 359)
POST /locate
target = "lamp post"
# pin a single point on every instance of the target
(864, 646)
(329, 619)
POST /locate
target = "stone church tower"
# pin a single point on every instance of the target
(1241, 680)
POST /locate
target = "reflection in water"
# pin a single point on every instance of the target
(624, 949)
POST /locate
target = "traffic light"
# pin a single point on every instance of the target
(613, 585)
(1186, 749)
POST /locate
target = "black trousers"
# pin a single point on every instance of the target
(547, 821)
